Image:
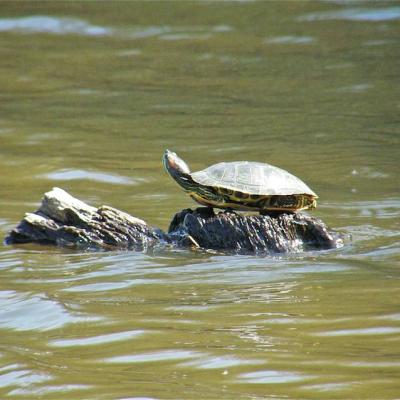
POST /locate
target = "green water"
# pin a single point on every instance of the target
(89, 104)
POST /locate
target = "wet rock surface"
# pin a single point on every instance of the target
(66, 221)
(253, 234)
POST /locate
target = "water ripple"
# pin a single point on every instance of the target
(217, 362)
(356, 14)
(375, 364)
(385, 208)
(328, 387)
(289, 40)
(80, 174)
(67, 25)
(379, 330)
(156, 356)
(24, 311)
(357, 88)
(22, 377)
(39, 391)
(272, 376)
(94, 340)
(185, 36)
(107, 286)
(55, 25)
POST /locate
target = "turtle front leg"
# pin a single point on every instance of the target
(205, 211)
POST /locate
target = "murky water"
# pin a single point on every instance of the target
(91, 93)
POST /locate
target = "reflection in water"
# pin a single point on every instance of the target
(163, 355)
(23, 311)
(63, 26)
(46, 24)
(379, 330)
(328, 387)
(94, 340)
(362, 87)
(356, 14)
(215, 362)
(107, 286)
(129, 53)
(290, 39)
(271, 376)
(17, 375)
(388, 208)
(49, 389)
(72, 174)
(185, 36)
(368, 172)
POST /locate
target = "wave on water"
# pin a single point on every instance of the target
(96, 340)
(272, 377)
(69, 25)
(24, 311)
(78, 174)
(355, 14)
(55, 25)
(382, 209)
(161, 355)
(20, 376)
(289, 39)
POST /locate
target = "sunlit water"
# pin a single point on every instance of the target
(93, 92)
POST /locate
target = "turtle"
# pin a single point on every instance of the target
(242, 185)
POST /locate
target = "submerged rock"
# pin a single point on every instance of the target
(66, 221)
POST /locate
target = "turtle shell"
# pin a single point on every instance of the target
(252, 178)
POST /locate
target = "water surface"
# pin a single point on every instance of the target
(91, 95)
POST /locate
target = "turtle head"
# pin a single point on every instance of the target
(175, 166)
(180, 172)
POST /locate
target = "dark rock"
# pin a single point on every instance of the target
(252, 234)
(66, 221)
